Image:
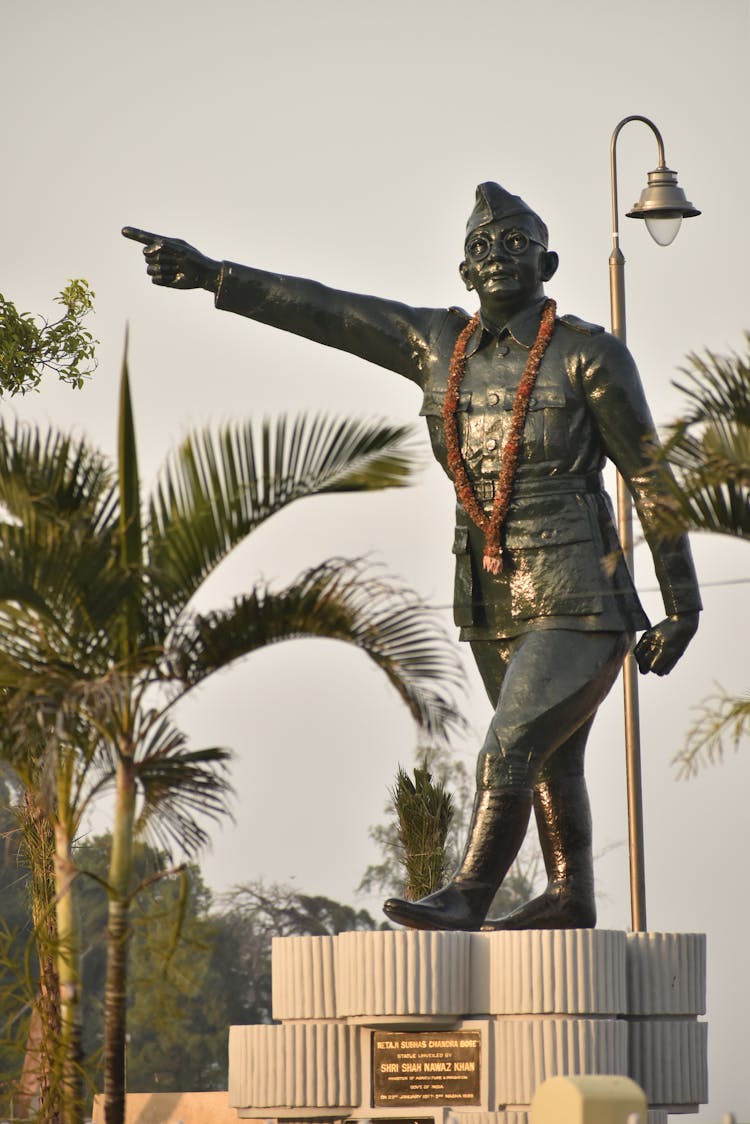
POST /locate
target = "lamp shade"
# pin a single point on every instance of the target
(663, 205)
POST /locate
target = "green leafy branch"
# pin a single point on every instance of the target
(31, 345)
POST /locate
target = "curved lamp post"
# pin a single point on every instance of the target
(663, 206)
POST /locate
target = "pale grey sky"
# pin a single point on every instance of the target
(343, 140)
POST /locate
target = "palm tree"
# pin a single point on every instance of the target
(708, 448)
(51, 492)
(99, 639)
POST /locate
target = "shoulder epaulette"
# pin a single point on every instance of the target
(582, 326)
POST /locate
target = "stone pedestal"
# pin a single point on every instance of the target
(422, 1026)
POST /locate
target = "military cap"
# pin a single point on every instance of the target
(493, 202)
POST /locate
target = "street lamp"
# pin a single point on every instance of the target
(663, 206)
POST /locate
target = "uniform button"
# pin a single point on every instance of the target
(491, 444)
(502, 349)
(493, 398)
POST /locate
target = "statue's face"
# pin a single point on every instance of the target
(506, 263)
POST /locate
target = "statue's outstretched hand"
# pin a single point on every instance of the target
(175, 263)
(660, 648)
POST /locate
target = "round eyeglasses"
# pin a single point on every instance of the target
(514, 242)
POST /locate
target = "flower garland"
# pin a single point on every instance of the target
(493, 555)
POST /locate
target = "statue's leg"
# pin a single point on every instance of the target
(547, 685)
(497, 828)
(563, 818)
(496, 832)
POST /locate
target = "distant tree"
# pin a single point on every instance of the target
(196, 966)
(185, 988)
(708, 447)
(30, 345)
(257, 912)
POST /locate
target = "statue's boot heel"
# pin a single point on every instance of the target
(563, 817)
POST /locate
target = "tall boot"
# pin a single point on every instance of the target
(563, 817)
(497, 829)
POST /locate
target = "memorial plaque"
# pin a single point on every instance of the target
(430, 1068)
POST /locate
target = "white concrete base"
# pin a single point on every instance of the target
(302, 1065)
(528, 1051)
(548, 1004)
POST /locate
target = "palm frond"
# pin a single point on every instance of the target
(215, 490)
(706, 499)
(45, 735)
(178, 786)
(130, 538)
(708, 450)
(718, 388)
(60, 595)
(340, 600)
(58, 583)
(54, 475)
(723, 719)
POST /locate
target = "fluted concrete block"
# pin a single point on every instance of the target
(480, 955)
(669, 1059)
(296, 1065)
(402, 973)
(528, 1051)
(303, 983)
(666, 973)
(574, 971)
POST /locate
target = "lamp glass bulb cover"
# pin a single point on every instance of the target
(663, 228)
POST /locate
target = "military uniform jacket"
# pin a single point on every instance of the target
(563, 566)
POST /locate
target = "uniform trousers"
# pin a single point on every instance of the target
(546, 687)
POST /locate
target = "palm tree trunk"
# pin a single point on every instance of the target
(69, 978)
(115, 1000)
(38, 1083)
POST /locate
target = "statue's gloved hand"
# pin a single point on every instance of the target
(660, 648)
(175, 263)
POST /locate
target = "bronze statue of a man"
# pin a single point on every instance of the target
(523, 408)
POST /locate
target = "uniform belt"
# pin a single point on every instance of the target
(486, 487)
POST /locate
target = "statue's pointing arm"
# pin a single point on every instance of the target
(387, 333)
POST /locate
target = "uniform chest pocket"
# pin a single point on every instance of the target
(432, 403)
(545, 435)
(432, 411)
